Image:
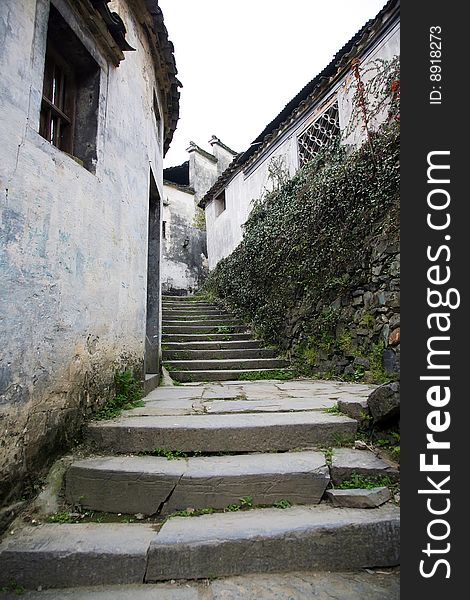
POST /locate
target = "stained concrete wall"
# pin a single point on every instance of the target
(225, 231)
(184, 263)
(73, 243)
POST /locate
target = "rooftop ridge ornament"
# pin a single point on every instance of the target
(115, 24)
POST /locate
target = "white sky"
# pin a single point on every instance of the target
(241, 61)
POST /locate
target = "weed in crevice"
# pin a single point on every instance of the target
(128, 395)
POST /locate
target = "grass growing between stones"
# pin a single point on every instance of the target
(13, 588)
(245, 503)
(283, 375)
(357, 481)
(333, 410)
(128, 395)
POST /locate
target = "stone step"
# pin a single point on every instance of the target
(347, 462)
(207, 329)
(212, 323)
(182, 318)
(311, 538)
(226, 364)
(270, 540)
(205, 337)
(243, 344)
(151, 382)
(257, 432)
(154, 485)
(222, 354)
(221, 375)
(69, 555)
(187, 305)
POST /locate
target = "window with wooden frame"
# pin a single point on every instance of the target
(58, 103)
(69, 107)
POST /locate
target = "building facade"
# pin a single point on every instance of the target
(320, 112)
(89, 102)
(184, 265)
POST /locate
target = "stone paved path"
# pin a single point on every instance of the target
(256, 464)
(291, 586)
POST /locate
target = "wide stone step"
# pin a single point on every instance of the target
(222, 354)
(186, 305)
(214, 323)
(243, 344)
(208, 329)
(151, 485)
(221, 433)
(224, 375)
(205, 337)
(226, 364)
(182, 318)
(257, 541)
(270, 540)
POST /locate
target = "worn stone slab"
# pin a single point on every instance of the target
(214, 345)
(123, 484)
(280, 405)
(227, 405)
(356, 408)
(158, 591)
(218, 354)
(136, 484)
(346, 461)
(359, 498)
(224, 364)
(175, 393)
(267, 540)
(201, 328)
(355, 585)
(221, 433)
(299, 477)
(212, 375)
(168, 338)
(62, 555)
(308, 586)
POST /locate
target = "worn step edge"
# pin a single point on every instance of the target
(205, 337)
(260, 540)
(245, 432)
(214, 345)
(219, 375)
(218, 354)
(225, 364)
(269, 540)
(66, 555)
(154, 485)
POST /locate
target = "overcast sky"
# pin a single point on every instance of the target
(241, 61)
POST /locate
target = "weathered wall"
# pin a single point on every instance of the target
(74, 247)
(224, 232)
(184, 245)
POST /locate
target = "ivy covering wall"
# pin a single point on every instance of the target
(317, 271)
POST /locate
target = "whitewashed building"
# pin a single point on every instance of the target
(321, 111)
(184, 264)
(89, 102)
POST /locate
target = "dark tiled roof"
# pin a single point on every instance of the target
(178, 174)
(165, 69)
(318, 84)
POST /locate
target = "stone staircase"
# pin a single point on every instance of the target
(202, 342)
(254, 460)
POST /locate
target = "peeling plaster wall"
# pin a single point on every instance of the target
(225, 231)
(73, 253)
(184, 245)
